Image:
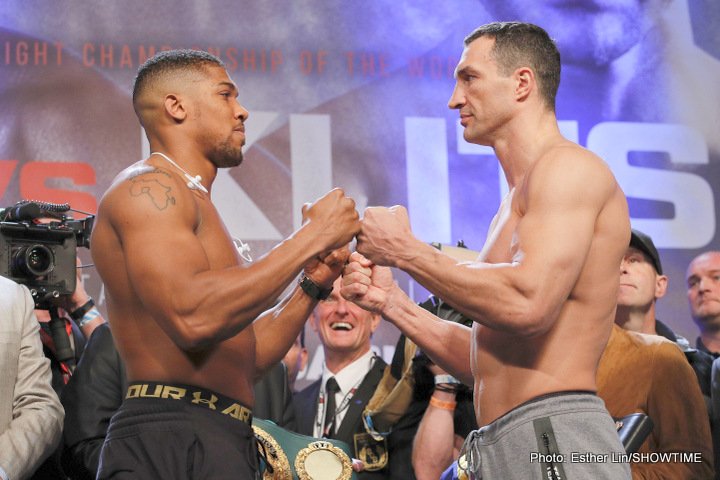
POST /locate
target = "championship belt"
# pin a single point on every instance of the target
(290, 456)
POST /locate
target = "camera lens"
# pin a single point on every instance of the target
(34, 260)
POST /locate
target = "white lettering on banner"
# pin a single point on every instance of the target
(693, 225)
(230, 198)
(311, 174)
(311, 160)
(428, 187)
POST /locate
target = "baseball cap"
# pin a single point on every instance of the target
(645, 244)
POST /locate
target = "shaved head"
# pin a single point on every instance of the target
(160, 72)
(703, 290)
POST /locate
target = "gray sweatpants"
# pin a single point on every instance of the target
(561, 436)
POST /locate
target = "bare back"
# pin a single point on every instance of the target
(566, 225)
(151, 237)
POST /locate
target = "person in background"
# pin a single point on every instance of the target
(31, 415)
(649, 374)
(703, 291)
(332, 406)
(81, 318)
(296, 359)
(642, 284)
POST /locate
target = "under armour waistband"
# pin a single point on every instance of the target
(190, 394)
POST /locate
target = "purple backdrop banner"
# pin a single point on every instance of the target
(354, 94)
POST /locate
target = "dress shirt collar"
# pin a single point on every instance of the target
(351, 375)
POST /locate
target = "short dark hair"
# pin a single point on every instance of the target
(519, 44)
(171, 61)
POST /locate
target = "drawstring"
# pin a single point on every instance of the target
(471, 453)
(263, 457)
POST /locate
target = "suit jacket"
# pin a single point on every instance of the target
(51, 468)
(96, 391)
(306, 402)
(31, 416)
(274, 399)
(91, 397)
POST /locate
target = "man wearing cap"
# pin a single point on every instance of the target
(642, 283)
(640, 371)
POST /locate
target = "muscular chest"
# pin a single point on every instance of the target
(501, 243)
(217, 242)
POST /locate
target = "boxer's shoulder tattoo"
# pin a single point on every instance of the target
(159, 192)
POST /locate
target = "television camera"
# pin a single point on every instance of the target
(38, 248)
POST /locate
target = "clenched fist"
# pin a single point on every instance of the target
(366, 284)
(385, 235)
(332, 219)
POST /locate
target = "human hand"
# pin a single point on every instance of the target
(333, 219)
(357, 465)
(80, 296)
(366, 284)
(385, 234)
(324, 269)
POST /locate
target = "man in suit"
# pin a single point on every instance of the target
(353, 371)
(31, 416)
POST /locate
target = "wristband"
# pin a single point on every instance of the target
(89, 317)
(449, 406)
(80, 312)
(454, 388)
(312, 289)
(446, 379)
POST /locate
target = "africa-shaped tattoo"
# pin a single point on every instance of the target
(159, 194)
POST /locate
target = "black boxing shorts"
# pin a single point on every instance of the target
(178, 432)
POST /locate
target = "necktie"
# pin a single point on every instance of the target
(331, 388)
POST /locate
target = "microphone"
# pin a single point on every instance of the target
(30, 210)
(22, 211)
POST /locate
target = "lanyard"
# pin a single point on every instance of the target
(342, 406)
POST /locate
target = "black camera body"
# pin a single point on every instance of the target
(42, 256)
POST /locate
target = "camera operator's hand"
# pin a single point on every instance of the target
(80, 298)
(332, 219)
(70, 303)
